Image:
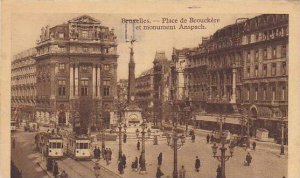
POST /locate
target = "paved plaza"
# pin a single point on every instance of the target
(265, 163)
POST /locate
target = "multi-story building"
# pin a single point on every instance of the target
(144, 87)
(240, 69)
(76, 71)
(265, 82)
(23, 85)
(161, 86)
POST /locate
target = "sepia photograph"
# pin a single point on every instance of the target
(145, 95)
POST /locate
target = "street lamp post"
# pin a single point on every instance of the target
(143, 161)
(120, 140)
(175, 148)
(223, 157)
(103, 135)
(282, 137)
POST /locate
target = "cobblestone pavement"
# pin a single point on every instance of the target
(265, 164)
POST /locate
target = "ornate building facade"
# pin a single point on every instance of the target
(76, 71)
(23, 85)
(144, 87)
(242, 69)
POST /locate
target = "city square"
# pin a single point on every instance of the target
(218, 109)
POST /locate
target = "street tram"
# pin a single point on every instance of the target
(78, 147)
(13, 125)
(49, 144)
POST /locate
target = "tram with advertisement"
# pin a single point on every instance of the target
(50, 144)
(79, 147)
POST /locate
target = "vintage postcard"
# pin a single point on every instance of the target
(155, 89)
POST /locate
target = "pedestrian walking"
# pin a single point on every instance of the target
(212, 138)
(193, 138)
(120, 167)
(159, 159)
(124, 138)
(219, 171)
(134, 165)
(159, 173)
(207, 138)
(248, 159)
(138, 145)
(140, 160)
(55, 170)
(103, 153)
(98, 153)
(197, 164)
(95, 152)
(110, 153)
(107, 159)
(97, 169)
(124, 160)
(253, 145)
(182, 172)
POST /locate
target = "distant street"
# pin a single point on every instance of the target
(25, 157)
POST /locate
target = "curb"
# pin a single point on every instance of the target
(45, 170)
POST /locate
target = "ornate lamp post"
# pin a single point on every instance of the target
(102, 134)
(282, 137)
(120, 139)
(143, 161)
(223, 157)
(175, 146)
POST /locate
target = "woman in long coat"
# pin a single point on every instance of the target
(159, 159)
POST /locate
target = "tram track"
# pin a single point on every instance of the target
(110, 173)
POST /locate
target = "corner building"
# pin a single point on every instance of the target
(242, 69)
(76, 69)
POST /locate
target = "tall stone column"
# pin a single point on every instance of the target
(71, 81)
(76, 80)
(233, 97)
(94, 86)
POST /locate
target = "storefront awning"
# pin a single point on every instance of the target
(229, 120)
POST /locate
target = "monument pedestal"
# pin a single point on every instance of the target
(133, 116)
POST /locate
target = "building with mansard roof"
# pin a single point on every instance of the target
(76, 71)
(242, 69)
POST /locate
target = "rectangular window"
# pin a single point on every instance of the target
(283, 51)
(264, 93)
(274, 52)
(84, 87)
(61, 66)
(84, 34)
(283, 93)
(265, 53)
(106, 67)
(256, 70)
(85, 49)
(61, 35)
(256, 55)
(256, 93)
(283, 68)
(248, 72)
(273, 72)
(273, 94)
(106, 91)
(248, 57)
(265, 69)
(248, 94)
(61, 87)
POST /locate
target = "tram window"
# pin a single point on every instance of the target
(77, 145)
(59, 145)
(85, 145)
(50, 145)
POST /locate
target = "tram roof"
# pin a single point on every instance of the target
(79, 137)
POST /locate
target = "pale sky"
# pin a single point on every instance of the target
(26, 30)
